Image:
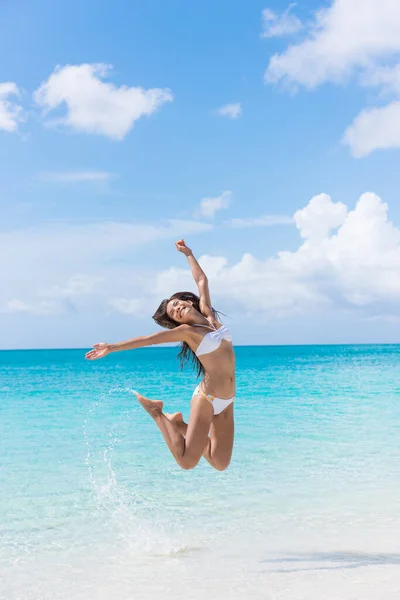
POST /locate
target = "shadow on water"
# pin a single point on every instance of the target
(340, 560)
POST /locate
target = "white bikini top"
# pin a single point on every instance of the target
(212, 340)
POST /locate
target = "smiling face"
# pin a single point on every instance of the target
(180, 310)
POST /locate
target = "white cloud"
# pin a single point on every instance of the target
(263, 221)
(349, 260)
(320, 217)
(377, 127)
(232, 111)
(347, 35)
(358, 38)
(210, 206)
(373, 129)
(10, 112)
(75, 176)
(94, 106)
(278, 25)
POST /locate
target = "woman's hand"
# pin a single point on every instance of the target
(181, 247)
(99, 351)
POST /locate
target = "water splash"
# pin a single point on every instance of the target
(126, 515)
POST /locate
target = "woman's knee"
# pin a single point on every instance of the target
(189, 462)
(221, 464)
(222, 467)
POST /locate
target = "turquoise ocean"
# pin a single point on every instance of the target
(93, 506)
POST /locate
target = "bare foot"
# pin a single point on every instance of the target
(153, 407)
(176, 418)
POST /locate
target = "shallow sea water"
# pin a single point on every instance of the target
(92, 505)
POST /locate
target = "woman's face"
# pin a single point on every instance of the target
(180, 310)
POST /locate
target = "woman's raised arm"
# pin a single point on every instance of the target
(200, 278)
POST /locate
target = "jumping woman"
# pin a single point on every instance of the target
(192, 321)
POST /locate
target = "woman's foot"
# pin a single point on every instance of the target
(176, 418)
(153, 407)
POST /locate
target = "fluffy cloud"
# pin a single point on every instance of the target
(373, 129)
(232, 111)
(320, 217)
(10, 112)
(75, 176)
(351, 37)
(275, 25)
(210, 206)
(94, 106)
(345, 36)
(349, 259)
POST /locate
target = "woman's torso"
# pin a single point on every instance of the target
(219, 363)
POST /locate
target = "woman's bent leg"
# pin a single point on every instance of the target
(186, 451)
(218, 449)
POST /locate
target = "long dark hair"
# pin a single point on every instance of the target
(162, 318)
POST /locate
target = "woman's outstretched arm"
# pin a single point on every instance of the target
(179, 334)
(200, 278)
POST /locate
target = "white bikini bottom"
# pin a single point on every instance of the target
(219, 404)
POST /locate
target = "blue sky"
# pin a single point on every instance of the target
(97, 182)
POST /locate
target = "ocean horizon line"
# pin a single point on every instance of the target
(164, 347)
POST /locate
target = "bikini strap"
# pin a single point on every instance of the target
(206, 326)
